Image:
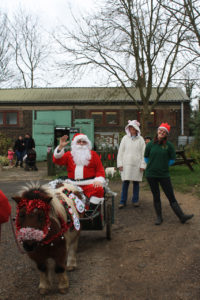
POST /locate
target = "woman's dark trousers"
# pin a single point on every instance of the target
(19, 155)
(168, 190)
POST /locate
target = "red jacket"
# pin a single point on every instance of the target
(5, 208)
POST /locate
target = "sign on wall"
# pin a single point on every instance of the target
(106, 140)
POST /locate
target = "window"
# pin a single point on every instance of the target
(1, 118)
(8, 118)
(98, 117)
(11, 118)
(111, 118)
(105, 118)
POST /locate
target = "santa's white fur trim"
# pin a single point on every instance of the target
(78, 173)
(80, 182)
(96, 200)
(101, 179)
(87, 181)
(58, 154)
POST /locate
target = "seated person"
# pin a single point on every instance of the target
(83, 165)
(30, 160)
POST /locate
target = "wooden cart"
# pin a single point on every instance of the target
(102, 216)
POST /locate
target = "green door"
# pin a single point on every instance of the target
(43, 134)
(44, 123)
(86, 126)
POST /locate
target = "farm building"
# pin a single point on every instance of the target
(102, 113)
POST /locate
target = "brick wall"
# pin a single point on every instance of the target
(25, 126)
(125, 113)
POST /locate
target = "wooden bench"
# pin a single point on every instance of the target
(181, 159)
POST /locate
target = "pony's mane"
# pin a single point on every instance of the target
(38, 191)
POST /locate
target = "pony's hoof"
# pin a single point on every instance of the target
(43, 291)
(71, 268)
(63, 290)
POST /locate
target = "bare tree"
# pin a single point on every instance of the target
(5, 53)
(135, 42)
(186, 12)
(29, 47)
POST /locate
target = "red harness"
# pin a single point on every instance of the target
(39, 204)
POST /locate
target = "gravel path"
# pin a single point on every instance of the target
(141, 262)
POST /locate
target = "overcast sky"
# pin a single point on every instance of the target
(51, 12)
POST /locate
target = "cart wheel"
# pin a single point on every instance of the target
(108, 221)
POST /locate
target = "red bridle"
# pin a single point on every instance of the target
(30, 205)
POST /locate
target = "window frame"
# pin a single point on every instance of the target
(104, 117)
(5, 112)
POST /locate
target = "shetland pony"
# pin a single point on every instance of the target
(47, 225)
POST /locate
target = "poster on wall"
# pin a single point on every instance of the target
(106, 140)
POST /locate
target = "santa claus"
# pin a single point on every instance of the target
(84, 167)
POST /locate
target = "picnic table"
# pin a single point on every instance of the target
(181, 159)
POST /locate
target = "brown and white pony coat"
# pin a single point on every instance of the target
(45, 229)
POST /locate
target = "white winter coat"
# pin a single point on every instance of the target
(131, 158)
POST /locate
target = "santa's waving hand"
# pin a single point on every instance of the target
(84, 166)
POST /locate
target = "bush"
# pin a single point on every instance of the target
(5, 143)
(192, 152)
(4, 161)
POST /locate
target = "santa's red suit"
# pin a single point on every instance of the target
(83, 172)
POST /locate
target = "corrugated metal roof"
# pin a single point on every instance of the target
(83, 95)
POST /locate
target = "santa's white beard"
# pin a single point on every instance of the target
(81, 154)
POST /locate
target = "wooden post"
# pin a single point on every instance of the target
(51, 169)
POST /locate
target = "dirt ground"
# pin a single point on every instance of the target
(141, 262)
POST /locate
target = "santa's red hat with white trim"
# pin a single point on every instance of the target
(83, 137)
(165, 126)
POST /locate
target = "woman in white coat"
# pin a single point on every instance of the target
(130, 161)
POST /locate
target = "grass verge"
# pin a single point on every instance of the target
(184, 180)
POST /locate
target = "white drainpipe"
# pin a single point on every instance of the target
(182, 118)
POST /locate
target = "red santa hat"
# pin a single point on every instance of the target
(83, 137)
(165, 126)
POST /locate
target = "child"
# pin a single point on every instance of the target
(10, 156)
